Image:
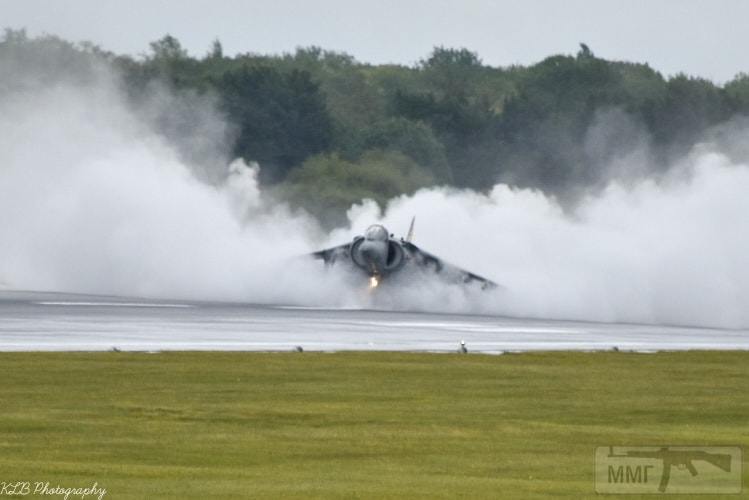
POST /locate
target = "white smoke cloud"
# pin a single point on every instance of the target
(675, 252)
(93, 199)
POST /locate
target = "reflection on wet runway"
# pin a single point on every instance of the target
(64, 322)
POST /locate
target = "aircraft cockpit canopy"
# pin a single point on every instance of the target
(376, 232)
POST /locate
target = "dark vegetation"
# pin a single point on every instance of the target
(328, 130)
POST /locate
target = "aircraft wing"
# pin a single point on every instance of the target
(332, 254)
(427, 260)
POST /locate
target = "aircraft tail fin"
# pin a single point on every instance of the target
(410, 235)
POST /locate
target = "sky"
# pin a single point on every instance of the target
(700, 38)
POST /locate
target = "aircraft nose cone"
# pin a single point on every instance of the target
(373, 255)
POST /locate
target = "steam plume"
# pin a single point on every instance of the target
(95, 197)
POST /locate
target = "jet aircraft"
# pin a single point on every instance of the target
(378, 254)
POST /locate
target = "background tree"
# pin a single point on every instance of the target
(328, 130)
(327, 185)
(281, 117)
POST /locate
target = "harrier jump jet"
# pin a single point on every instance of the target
(380, 256)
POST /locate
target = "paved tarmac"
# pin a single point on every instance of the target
(32, 321)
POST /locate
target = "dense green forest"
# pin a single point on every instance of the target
(328, 130)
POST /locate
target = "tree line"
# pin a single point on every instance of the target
(328, 130)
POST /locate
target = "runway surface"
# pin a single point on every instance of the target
(31, 321)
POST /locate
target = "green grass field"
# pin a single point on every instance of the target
(355, 425)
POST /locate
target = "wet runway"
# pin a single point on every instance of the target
(31, 321)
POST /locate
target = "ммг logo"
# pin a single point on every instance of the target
(668, 469)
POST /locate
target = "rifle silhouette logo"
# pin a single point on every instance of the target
(679, 458)
(636, 469)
